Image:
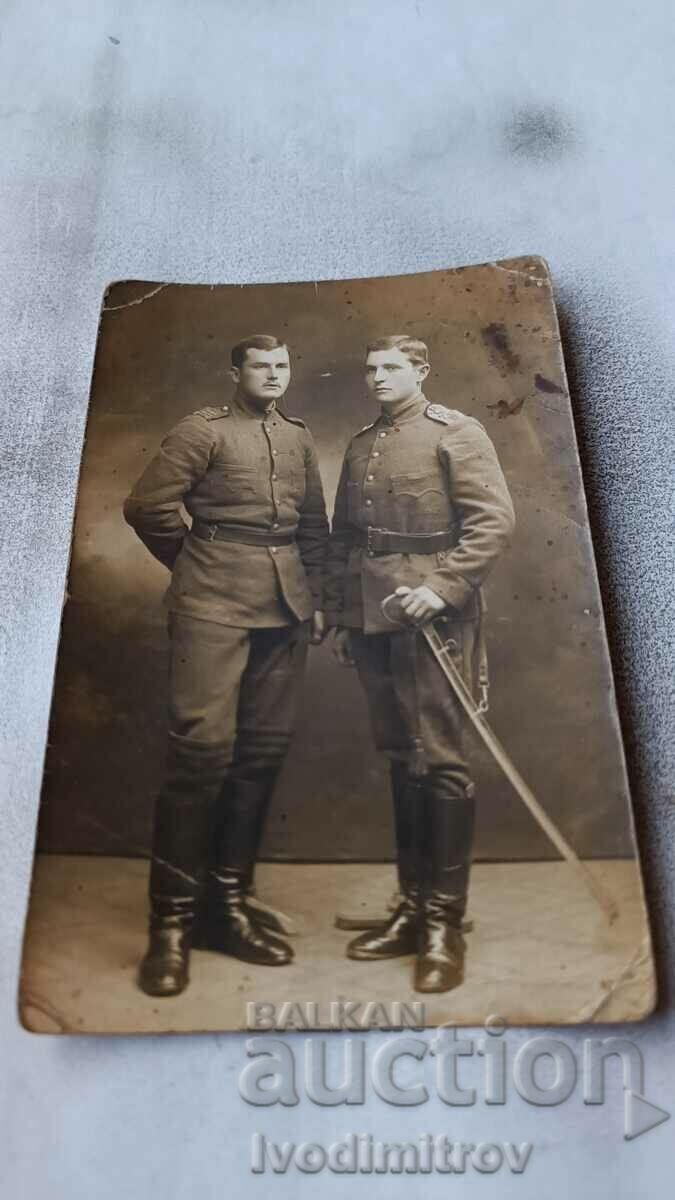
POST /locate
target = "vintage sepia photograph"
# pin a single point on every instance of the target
(333, 714)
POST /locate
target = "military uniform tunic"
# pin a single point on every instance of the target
(420, 470)
(245, 579)
(255, 477)
(426, 470)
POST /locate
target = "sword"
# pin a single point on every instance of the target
(440, 648)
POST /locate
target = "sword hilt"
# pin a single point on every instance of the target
(391, 609)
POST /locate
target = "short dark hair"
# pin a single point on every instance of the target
(412, 347)
(257, 341)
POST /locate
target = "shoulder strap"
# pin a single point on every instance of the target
(449, 416)
(213, 414)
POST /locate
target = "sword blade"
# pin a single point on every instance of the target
(491, 741)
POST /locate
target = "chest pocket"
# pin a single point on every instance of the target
(420, 501)
(233, 483)
(415, 484)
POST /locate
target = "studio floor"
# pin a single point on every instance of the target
(541, 952)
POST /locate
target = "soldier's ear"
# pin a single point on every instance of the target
(235, 374)
(423, 370)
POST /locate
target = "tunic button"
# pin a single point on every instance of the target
(369, 502)
(275, 525)
(370, 477)
(274, 477)
(273, 549)
(382, 435)
(376, 454)
(275, 452)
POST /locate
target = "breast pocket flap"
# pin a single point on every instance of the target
(415, 484)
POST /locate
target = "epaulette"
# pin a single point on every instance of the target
(293, 420)
(449, 416)
(213, 414)
(366, 428)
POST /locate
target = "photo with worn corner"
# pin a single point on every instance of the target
(333, 714)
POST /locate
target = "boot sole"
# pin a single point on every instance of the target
(211, 945)
(379, 957)
(160, 993)
(254, 961)
(419, 985)
(353, 924)
(430, 991)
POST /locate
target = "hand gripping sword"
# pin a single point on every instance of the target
(440, 647)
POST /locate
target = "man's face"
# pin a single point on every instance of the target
(263, 376)
(391, 376)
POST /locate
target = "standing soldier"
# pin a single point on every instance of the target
(246, 580)
(422, 510)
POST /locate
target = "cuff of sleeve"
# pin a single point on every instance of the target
(455, 591)
(164, 549)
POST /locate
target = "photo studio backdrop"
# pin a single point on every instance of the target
(495, 354)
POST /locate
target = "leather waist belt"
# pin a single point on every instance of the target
(212, 532)
(388, 541)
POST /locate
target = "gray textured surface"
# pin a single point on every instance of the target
(250, 141)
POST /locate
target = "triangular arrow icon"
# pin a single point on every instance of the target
(640, 1116)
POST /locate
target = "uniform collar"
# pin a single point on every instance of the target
(405, 411)
(247, 410)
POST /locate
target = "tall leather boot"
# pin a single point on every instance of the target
(263, 914)
(233, 927)
(397, 935)
(449, 811)
(178, 865)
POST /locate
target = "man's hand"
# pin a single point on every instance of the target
(317, 630)
(419, 604)
(342, 647)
